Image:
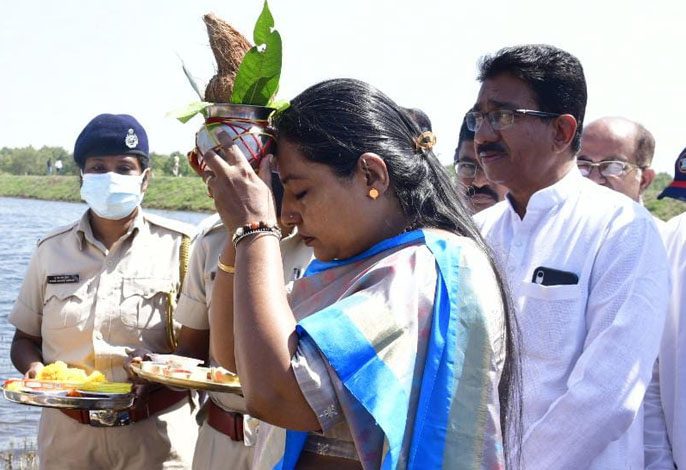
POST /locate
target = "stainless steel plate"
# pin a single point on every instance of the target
(187, 383)
(61, 400)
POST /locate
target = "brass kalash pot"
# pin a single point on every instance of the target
(245, 124)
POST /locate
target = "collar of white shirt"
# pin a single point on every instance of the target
(547, 198)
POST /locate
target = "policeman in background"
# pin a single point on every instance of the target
(227, 433)
(671, 373)
(97, 289)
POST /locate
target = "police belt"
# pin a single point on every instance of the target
(157, 401)
(226, 422)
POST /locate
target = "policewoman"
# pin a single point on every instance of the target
(98, 289)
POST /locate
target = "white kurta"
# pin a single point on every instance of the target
(589, 347)
(657, 448)
(672, 364)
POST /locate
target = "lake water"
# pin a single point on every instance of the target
(22, 223)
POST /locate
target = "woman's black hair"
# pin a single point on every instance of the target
(336, 121)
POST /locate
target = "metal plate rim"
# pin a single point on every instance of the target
(186, 383)
(59, 401)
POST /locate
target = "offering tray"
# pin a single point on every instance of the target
(194, 383)
(64, 397)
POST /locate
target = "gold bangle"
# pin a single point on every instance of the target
(225, 267)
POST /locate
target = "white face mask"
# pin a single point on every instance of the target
(111, 195)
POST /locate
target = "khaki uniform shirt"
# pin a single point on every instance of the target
(90, 305)
(214, 449)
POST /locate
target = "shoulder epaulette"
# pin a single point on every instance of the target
(58, 231)
(211, 224)
(170, 224)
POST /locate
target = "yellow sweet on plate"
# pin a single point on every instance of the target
(61, 372)
(14, 385)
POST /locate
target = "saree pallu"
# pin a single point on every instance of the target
(406, 341)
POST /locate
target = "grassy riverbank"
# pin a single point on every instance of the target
(190, 194)
(164, 192)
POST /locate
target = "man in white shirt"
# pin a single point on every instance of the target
(672, 364)
(586, 266)
(617, 153)
(479, 193)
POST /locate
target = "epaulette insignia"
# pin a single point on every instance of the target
(171, 224)
(58, 231)
(211, 224)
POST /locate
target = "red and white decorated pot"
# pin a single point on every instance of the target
(246, 125)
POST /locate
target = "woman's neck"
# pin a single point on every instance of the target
(109, 231)
(389, 223)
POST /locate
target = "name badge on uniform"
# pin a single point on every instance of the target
(63, 279)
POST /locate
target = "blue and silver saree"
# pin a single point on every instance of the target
(400, 354)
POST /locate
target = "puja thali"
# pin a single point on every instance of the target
(53, 394)
(213, 379)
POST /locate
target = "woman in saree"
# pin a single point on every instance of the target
(395, 348)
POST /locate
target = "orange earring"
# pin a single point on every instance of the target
(373, 193)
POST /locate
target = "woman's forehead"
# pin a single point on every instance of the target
(112, 158)
(289, 162)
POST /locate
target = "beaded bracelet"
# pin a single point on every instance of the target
(255, 228)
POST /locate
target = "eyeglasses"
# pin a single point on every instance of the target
(607, 168)
(501, 118)
(466, 169)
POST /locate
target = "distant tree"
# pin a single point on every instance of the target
(162, 164)
(31, 161)
(665, 208)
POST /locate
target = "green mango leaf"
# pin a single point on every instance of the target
(279, 105)
(263, 26)
(190, 78)
(186, 113)
(257, 80)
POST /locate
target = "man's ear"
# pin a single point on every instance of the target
(564, 127)
(647, 177)
(373, 169)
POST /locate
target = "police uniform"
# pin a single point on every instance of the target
(220, 443)
(91, 306)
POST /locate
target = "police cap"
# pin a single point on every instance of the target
(112, 134)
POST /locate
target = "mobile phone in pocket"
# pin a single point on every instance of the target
(553, 277)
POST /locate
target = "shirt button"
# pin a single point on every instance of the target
(511, 268)
(98, 335)
(518, 243)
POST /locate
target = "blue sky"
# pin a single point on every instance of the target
(65, 61)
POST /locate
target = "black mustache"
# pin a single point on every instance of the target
(490, 147)
(485, 190)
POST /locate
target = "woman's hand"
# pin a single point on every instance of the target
(136, 356)
(240, 195)
(34, 369)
